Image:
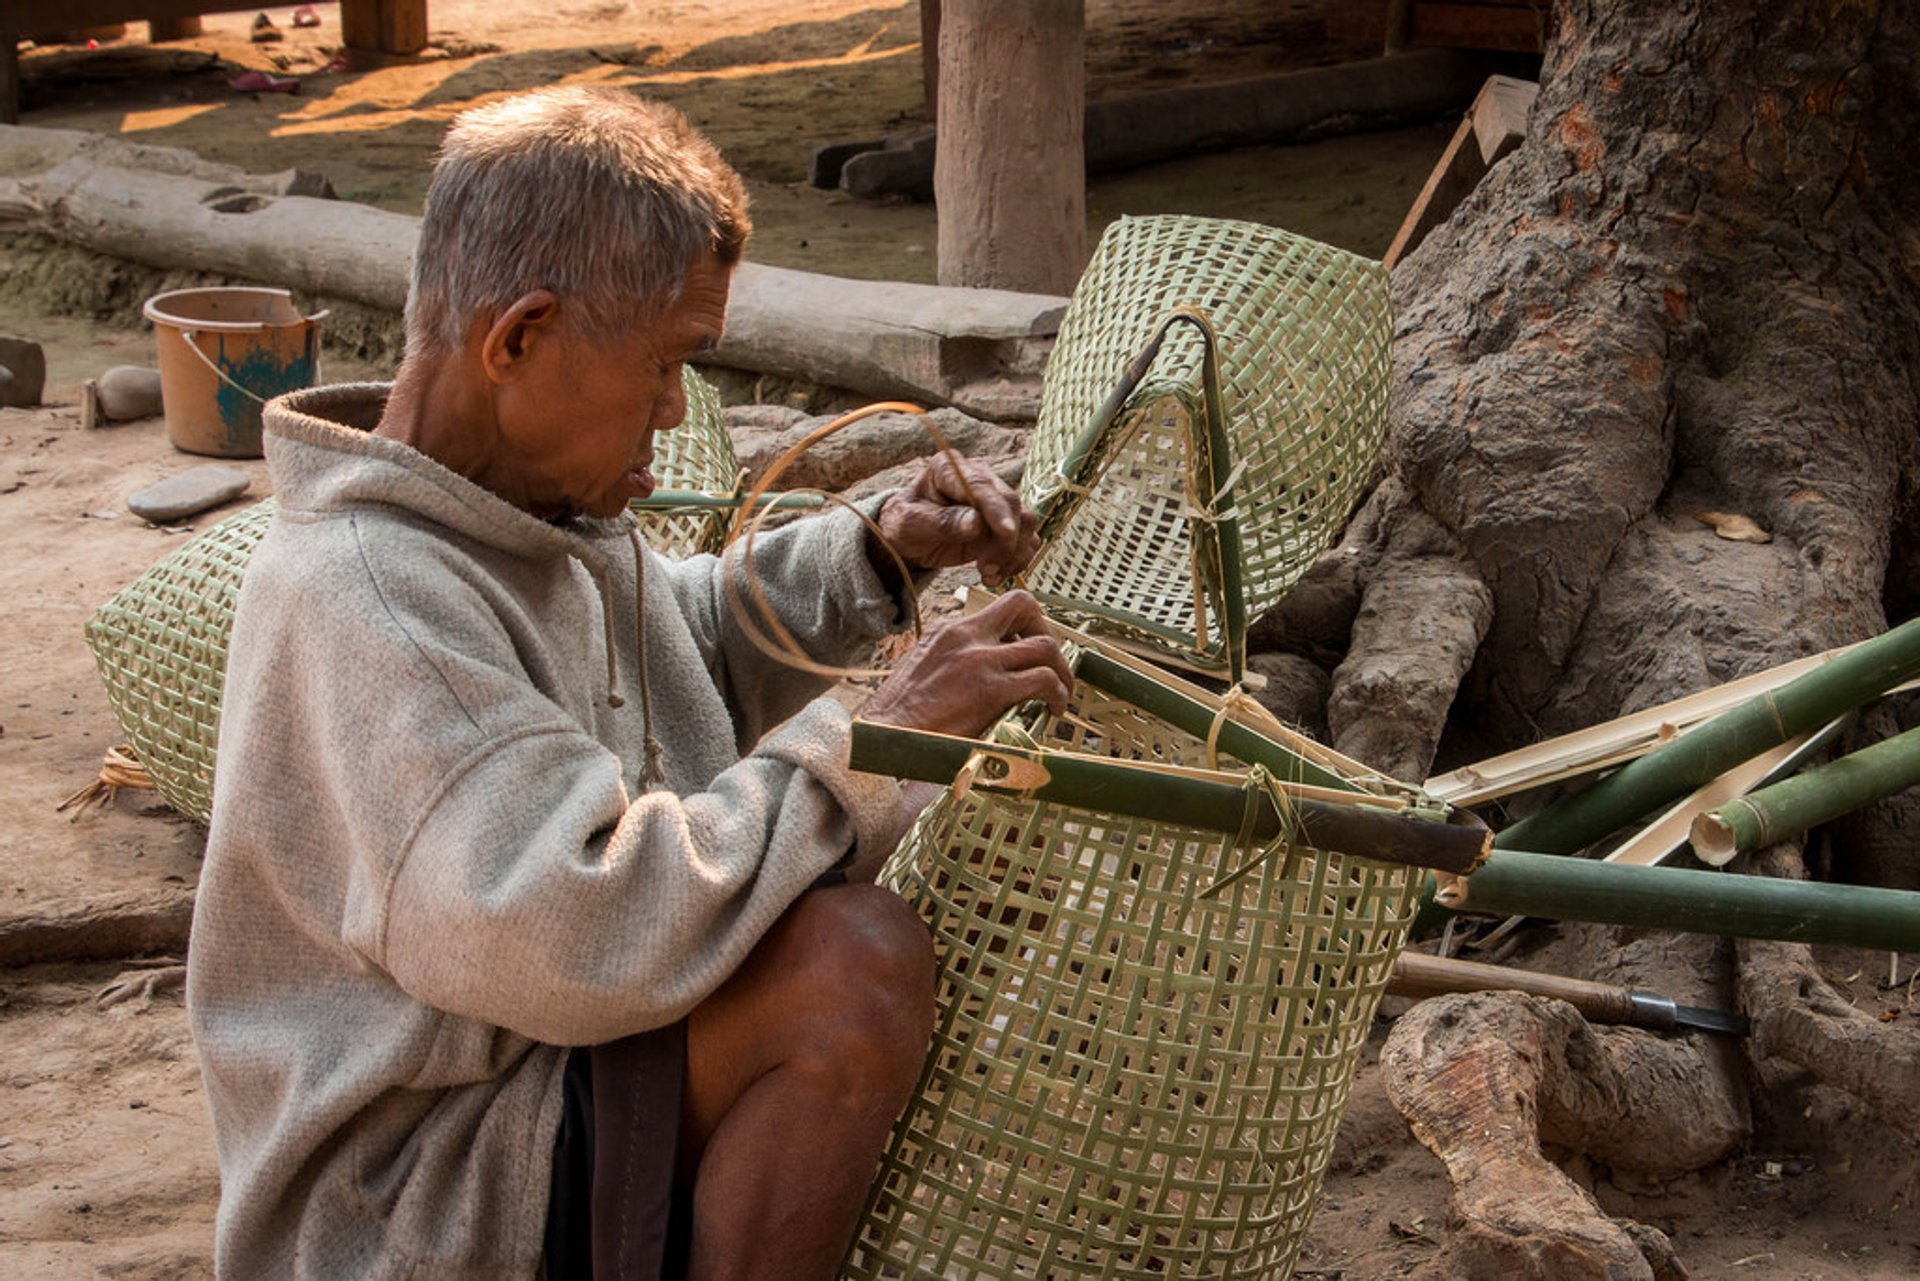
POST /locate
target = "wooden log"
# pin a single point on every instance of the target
(135, 924)
(980, 350)
(1010, 178)
(1121, 133)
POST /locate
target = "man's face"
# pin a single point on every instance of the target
(585, 422)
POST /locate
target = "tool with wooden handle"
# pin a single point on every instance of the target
(1416, 974)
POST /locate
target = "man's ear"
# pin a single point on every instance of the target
(519, 328)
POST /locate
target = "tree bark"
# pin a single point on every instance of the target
(1694, 288)
(1010, 175)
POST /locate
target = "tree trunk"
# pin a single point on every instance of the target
(1010, 175)
(1694, 288)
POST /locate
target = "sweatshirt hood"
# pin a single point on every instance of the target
(324, 457)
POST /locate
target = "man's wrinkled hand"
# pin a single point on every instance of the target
(958, 511)
(965, 672)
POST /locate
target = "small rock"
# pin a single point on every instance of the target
(26, 366)
(189, 493)
(129, 391)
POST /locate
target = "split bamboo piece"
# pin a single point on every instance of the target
(1867, 670)
(1611, 742)
(1808, 800)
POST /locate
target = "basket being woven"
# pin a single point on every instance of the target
(1130, 1076)
(160, 643)
(1304, 333)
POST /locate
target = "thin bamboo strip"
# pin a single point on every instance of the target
(1818, 796)
(1864, 672)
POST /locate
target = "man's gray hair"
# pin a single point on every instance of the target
(606, 199)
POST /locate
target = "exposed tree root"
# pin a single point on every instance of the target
(1799, 1017)
(1485, 1078)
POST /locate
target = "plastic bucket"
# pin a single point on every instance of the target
(224, 353)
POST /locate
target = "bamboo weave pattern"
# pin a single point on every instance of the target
(1304, 331)
(160, 643)
(1128, 1079)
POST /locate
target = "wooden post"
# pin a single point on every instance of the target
(930, 54)
(387, 26)
(162, 30)
(1010, 176)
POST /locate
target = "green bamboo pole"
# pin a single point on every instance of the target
(1517, 883)
(1145, 791)
(1808, 800)
(1197, 719)
(1689, 761)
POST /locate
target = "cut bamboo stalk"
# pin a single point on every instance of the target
(1518, 883)
(1669, 832)
(1635, 789)
(1205, 799)
(1790, 807)
(1611, 742)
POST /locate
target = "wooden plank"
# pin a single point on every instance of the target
(1497, 122)
(1514, 28)
(1459, 171)
(1499, 115)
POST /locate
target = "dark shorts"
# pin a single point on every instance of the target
(616, 1210)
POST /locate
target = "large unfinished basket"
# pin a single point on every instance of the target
(160, 643)
(1302, 338)
(1146, 1030)
(1148, 1025)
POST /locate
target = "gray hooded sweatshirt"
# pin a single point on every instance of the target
(431, 863)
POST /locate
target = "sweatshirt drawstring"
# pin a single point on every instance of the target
(653, 772)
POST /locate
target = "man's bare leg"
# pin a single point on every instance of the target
(796, 1070)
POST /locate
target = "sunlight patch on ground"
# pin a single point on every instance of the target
(384, 99)
(861, 53)
(164, 117)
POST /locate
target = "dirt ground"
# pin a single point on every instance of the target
(106, 1160)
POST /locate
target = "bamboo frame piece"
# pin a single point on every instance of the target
(1322, 818)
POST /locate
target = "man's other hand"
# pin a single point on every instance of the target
(958, 511)
(966, 671)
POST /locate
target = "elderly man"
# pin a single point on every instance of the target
(497, 783)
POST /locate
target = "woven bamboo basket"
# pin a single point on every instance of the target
(1147, 1027)
(1146, 1031)
(1303, 340)
(160, 643)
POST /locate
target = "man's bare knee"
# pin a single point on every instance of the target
(868, 986)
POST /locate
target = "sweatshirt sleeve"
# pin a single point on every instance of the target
(815, 575)
(534, 896)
